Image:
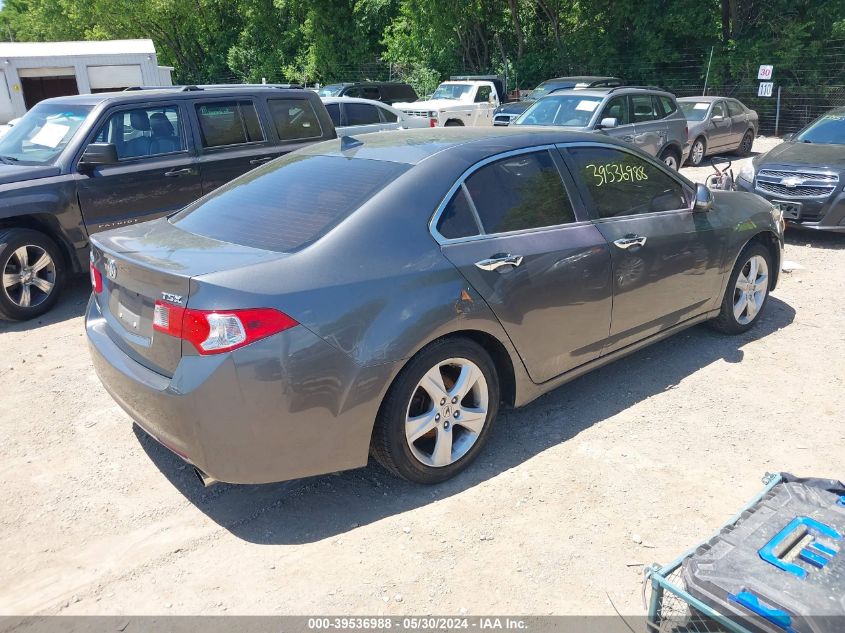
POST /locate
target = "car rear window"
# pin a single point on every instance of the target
(288, 204)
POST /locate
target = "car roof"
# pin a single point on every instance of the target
(707, 99)
(416, 145)
(603, 92)
(177, 92)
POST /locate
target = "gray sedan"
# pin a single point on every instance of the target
(385, 295)
(718, 124)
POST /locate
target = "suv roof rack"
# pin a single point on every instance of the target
(174, 88)
(192, 88)
(639, 88)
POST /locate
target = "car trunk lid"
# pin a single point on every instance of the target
(156, 261)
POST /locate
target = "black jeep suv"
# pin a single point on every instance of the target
(76, 165)
(805, 176)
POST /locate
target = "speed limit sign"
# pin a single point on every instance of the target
(765, 72)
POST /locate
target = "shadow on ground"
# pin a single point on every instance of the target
(70, 305)
(322, 507)
(798, 236)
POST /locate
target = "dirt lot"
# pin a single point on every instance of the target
(626, 466)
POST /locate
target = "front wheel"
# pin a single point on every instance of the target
(438, 414)
(33, 272)
(747, 291)
(697, 152)
(746, 144)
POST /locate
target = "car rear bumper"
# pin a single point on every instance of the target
(820, 214)
(285, 407)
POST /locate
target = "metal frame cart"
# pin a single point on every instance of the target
(671, 608)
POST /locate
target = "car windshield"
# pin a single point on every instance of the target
(42, 134)
(694, 110)
(828, 128)
(331, 90)
(568, 110)
(288, 204)
(451, 91)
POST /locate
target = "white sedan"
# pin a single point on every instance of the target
(351, 115)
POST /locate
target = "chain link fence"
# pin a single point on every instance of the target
(802, 91)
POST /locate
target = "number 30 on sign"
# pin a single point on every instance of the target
(765, 89)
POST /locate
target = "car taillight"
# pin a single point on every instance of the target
(96, 277)
(218, 331)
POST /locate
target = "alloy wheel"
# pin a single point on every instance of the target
(747, 143)
(697, 152)
(447, 412)
(29, 276)
(752, 285)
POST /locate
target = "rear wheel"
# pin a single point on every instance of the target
(747, 291)
(671, 157)
(454, 123)
(33, 272)
(697, 152)
(746, 144)
(438, 414)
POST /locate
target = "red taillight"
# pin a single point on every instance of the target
(96, 279)
(217, 331)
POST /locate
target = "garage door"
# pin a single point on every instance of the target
(44, 83)
(104, 78)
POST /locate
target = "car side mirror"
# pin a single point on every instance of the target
(609, 122)
(491, 99)
(703, 198)
(716, 118)
(97, 154)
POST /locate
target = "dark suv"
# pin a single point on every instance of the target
(76, 165)
(388, 92)
(804, 177)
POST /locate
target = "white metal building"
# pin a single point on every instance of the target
(32, 71)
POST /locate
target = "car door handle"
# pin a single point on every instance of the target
(630, 240)
(175, 173)
(258, 161)
(497, 261)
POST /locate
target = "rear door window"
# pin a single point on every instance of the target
(361, 114)
(388, 116)
(225, 123)
(334, 113)
(520, 192)
(621, 183)
(734, 109)
(458, 219)
(643, 108)
(294, 119)
(371, 92)
(668, 104)
(289, 204)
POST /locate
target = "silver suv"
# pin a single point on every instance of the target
(647, 118)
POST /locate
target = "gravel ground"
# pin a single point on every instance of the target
(575, 493)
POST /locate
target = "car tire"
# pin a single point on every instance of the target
(746, 144)
(745, 299)
(429, 431)
(453, 123)
(33, 274)
(671, 158)
(697, 152)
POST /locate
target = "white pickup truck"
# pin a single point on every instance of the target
(469, 102)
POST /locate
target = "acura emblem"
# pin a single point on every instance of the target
(792, 181)
(111, 268)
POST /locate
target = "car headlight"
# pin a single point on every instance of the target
(747, 173)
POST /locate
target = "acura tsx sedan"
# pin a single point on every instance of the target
(385, 294)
